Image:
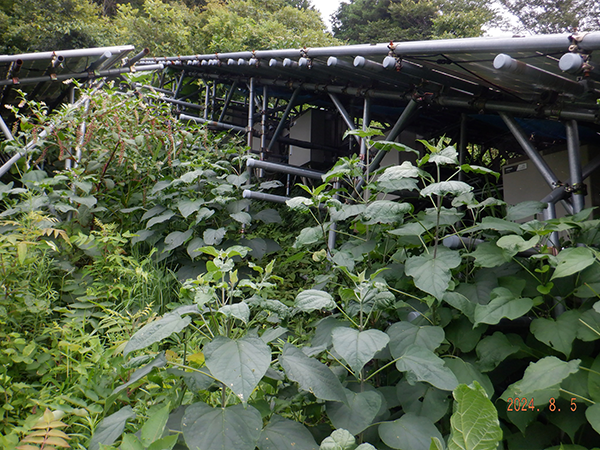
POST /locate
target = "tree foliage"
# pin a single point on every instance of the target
(167, 27)
(407, 20)
(555, 16)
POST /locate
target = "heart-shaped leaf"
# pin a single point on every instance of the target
(409, 432)
(312, 375)
(236, 427)
(285, 434)
(432, 274)
(358, 414)
(358, 347)
(404, 334)
(421, 364)
(240, 364)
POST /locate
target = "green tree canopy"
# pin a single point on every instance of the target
(555, 16)
(363, 21)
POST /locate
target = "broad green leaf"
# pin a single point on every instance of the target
(423, 400)
(235, 427)
(385, 211)
(592, 414)
(156, 331)
(513, 243)
(475, 424)
(214, 237)
(466, 373)
(313, 300)
(462, 303)
(558, 334)
(166, 443)
(159, 361)
(188, 207)
(299, 203)
(358, 347)
(422, 364)
(88, 201)
(589, 326)
(270, 184)
(572, 260)
(192, 176)
(285, 434)
(409, 432)
(404, 170)
(430, 274)
(436, 444)
(503, 304)
(238, 180)
(448, 155)
(405, 334)
(239, 311)
(241, 217)
(488, 254)
(130, 442)
(203, 213)
(524, 209)
(312, 375)
(461, 333)
(594, 380)
(391, 145)
(446, 187)
(339, 440)
(160, 218)
(153, 429)
(479, 169)
(411, 229)
(367, 446)
(111, 427)
(142, 235)
(193, 246)
(358, 415)
(195, 381)
(309, 236)
(268, 216)
(494, 349)
(176, 239)
(493, 223)
(545, 374)
(240, 364)
(346, 211)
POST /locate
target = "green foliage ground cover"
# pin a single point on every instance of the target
(146, 305)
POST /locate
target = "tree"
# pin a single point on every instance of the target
(363, 21)
(53, 25)
(555, 16)
(254, 24)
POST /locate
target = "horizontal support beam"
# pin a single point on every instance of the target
(285, 168)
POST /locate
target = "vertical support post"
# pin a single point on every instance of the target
(281, 124)
(534, 156)
(206, 97)
(179, 84)
(214, 100)
(227, 101)
(333, 227)
(263, 126)
(250, 112)
(347, 118)
(365, 125)
(575, 165)
(550, 213)
(462, 145)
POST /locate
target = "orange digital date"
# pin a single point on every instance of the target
(523, 404)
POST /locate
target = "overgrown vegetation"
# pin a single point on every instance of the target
(146, 305)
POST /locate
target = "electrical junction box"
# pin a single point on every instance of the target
(523, 182)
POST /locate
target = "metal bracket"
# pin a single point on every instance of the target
(577, 189)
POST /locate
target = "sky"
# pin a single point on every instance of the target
(326, 7)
